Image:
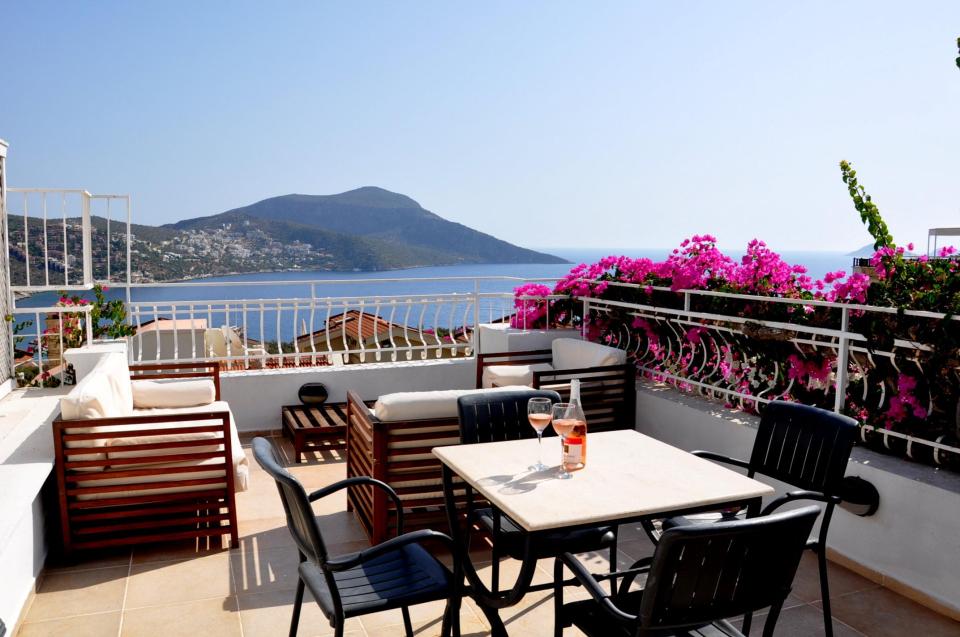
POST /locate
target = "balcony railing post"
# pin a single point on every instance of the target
(843, 362)
(583, 321)
(475, 337)
(87, 250)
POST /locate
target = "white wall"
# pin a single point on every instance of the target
(21, 560)
(26, 462)
(913, 539)
(256, 396)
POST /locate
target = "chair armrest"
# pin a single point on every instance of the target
(414, 537)
(588, 581)
(637, 568)
(716, 457)
(793, 496)
(358, 480)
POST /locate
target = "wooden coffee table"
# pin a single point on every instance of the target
(315, 427)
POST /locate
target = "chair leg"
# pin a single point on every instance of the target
(558, 598)
(772, 618)
(297, 603)
(494, 555)
(451, 618)
(407, 625)
(747, 621)
(821, 549)
(824, 592)
(613, 560)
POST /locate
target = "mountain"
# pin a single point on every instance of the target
(364, 229)
(384, 218)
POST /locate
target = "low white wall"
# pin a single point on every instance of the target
(256, 396)
(913, 539)
(26, 463)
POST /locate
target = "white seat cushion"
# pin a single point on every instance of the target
(571, 353)
(150, 394)
(503, 375)
(425, 405)
(241, 466)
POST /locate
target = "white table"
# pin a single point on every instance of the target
(628, 477)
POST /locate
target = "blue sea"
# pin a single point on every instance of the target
(287, 285)
(340, 284)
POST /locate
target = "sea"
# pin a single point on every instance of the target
(303, 284)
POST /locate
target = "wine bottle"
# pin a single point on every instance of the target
(575, 442)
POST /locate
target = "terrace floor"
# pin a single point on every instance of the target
(247, 591)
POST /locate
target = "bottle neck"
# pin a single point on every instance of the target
(575, 391)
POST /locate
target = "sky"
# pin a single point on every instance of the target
(585, 125)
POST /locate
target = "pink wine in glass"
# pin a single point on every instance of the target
(540, 421)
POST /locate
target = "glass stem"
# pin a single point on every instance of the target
(539, 448)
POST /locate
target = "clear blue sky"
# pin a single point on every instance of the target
(547, 124)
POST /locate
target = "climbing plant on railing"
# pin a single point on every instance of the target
(864, 204)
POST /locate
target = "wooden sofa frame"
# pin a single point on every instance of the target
(93, 515)
(398, 453)
(608, 394)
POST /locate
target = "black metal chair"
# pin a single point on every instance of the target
(699, 575)
(807, 448)
(499, 416)
(395, 574)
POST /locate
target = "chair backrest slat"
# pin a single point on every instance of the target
(498, 416)
(706, 572)
(804, 446)
(296, 505)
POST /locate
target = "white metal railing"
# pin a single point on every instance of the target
(313, 329)
(716, 360)
(40, 336)
(52, 234)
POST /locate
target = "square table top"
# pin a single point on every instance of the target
(627, 475)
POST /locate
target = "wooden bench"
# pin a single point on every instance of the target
(172, 479)
(315, 427)
(608, 394)
(398, 453)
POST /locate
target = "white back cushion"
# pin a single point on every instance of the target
(115, 366)
(93, 397)
(572, 353)
(425, 405)
(150, 394)
(502, 375)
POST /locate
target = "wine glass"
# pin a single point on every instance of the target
(538, 412)
(563, 424)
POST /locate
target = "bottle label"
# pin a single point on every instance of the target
(573, 450)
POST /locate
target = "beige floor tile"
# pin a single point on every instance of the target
(265, 533)
(265, 570)
(880, 612)
(806, 584)
(801, 620)
(66, 593)
(268, 614)
(99, 625)
(180, 549)
(161, 583)
(206, 618)
(81, 560)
